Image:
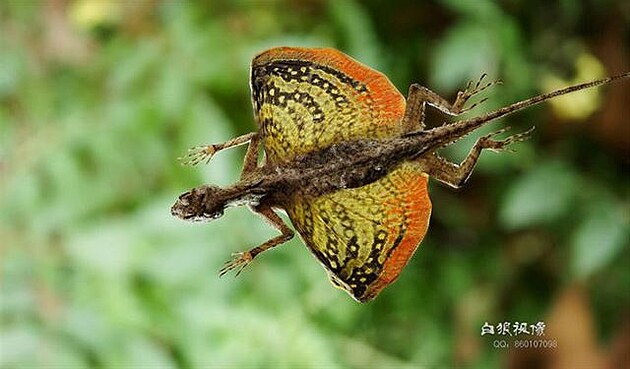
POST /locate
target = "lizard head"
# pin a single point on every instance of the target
(201, 204)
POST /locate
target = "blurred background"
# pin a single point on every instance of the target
(98, 98)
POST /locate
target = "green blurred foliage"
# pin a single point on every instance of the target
(98, 99)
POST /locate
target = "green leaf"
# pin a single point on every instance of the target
(467, 42)
(358, 32)
(542, 196)
(19, 346)
(481, 9)
(600, 237)
(145, 353)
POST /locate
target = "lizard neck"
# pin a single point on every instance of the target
(245, 192)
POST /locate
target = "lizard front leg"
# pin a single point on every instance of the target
(455, 175)
(204, 153)
(241, 259)
(419, 96)
(250, 162)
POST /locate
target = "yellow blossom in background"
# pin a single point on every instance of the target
(579, 105)
(89, 14)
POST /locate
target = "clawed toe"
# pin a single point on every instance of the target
(489, 143)
(472, 90)
(240, 261)
(198, 154)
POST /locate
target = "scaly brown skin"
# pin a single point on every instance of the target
(350, 164)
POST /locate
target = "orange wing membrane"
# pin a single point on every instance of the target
(364, 236)
(309, 99)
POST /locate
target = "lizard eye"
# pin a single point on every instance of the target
(183, 199)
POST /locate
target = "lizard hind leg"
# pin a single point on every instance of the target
(455, 175)
(419, 96)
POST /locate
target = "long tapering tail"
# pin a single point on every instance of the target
(455, 130)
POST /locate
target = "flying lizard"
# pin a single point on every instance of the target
(348, 158)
